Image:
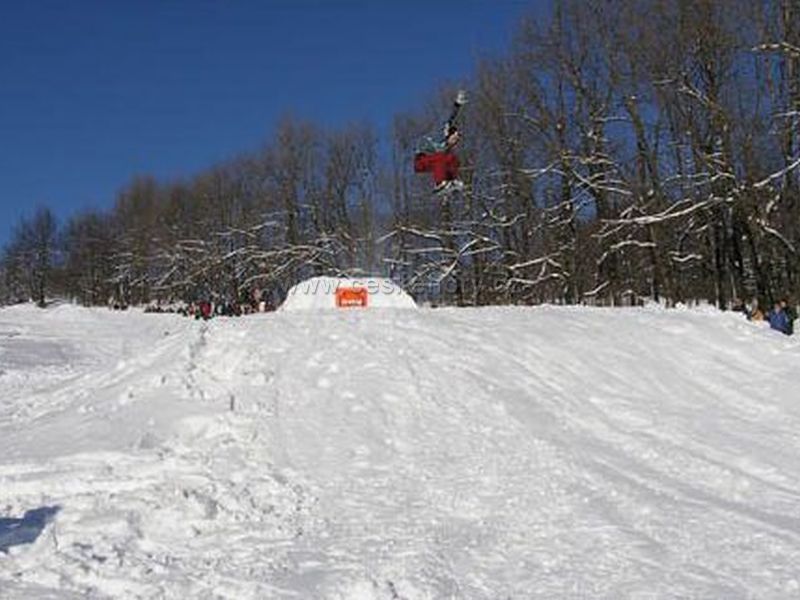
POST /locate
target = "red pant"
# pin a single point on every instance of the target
(443, 165)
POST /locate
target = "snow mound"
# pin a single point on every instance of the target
(335, 293)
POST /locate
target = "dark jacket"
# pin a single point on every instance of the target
(779, 321)
(791, 314)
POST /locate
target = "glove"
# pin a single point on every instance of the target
(461, 97)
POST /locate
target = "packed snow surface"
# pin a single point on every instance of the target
(323, 293)
(475, 453)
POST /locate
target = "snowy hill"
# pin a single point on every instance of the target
(488, 454)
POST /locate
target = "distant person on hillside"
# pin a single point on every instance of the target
(791, 314)
(754, 313)
(205, 310)
(738, 306)
(779, 320)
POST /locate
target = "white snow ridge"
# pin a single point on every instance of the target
(499, 453)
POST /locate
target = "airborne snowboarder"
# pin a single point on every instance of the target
(438, 158)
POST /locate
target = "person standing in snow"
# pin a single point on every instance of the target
(779, 320)
(791, 314)
(205, 310)
(755, 313)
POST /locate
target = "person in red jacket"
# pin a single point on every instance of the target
(205, 310)
(438, 157)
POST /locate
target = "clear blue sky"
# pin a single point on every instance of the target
(93, 92)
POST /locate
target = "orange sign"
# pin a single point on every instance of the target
(352, 297)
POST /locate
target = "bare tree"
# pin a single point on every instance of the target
(30, 258)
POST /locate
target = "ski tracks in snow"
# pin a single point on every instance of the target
(158, 495)
(482, 454)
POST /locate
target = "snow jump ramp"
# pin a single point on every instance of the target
(343, 293)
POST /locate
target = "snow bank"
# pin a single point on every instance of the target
(332, 293)
(548, 452)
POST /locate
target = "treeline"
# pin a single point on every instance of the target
(301, 206)
(624, 149)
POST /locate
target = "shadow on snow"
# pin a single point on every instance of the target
(14, 532)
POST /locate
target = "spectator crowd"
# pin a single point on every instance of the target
(780, 318)
(207, 308)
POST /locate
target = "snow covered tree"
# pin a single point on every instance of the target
(31, 257)
(88, 249)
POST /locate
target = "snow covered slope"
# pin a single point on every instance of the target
(488, 454)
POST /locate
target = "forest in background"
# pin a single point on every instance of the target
(624, 150)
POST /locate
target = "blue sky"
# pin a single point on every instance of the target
(94, 92)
